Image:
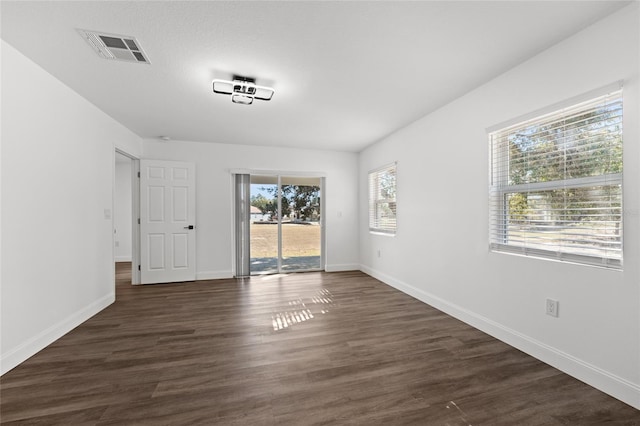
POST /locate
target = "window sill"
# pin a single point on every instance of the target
(384, 234)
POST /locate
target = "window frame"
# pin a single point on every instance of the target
(500, 188)
(377, 202)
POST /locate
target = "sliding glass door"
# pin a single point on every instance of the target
(285, 224)
(301, 231)
(264, 246)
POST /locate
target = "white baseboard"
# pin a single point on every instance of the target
(213, 275)
(35, 344)
(600, 379)
(342, 267)
(218, 275)
(123, 258)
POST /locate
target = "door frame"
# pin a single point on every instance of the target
(279, 173)
(135, 213)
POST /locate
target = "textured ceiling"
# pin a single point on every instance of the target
(346, 74)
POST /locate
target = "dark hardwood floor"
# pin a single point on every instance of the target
(301, 349)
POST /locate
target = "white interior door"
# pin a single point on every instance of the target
(167, 221)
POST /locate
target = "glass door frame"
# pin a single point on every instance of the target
(239, 249)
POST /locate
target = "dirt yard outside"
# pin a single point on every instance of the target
(297, 240)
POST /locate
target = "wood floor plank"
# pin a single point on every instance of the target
(297, 349)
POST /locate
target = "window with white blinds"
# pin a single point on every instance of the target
(556, 184)
(382, 199)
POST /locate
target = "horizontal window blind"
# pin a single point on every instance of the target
(556, 184)
(382, 199)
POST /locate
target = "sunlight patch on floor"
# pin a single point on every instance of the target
(298, 312)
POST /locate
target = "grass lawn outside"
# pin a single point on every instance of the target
(297, 240)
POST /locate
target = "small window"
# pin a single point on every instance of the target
(556, 184)
(382, 199)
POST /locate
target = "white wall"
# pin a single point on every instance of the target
(440, 253)
(122, 211)
(57, 182)
(214, 219)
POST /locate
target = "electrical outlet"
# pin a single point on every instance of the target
(552, 307)
(378, 253)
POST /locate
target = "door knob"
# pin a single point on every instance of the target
(189, 227)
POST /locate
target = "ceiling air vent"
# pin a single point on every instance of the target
(114, 46)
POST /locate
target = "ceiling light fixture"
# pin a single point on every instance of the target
(243, 90)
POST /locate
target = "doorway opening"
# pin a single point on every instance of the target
(122, 219)
(126, 205)
(285, 224)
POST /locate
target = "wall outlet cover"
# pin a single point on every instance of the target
(552, 307)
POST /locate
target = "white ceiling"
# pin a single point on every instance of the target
(346, 74)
